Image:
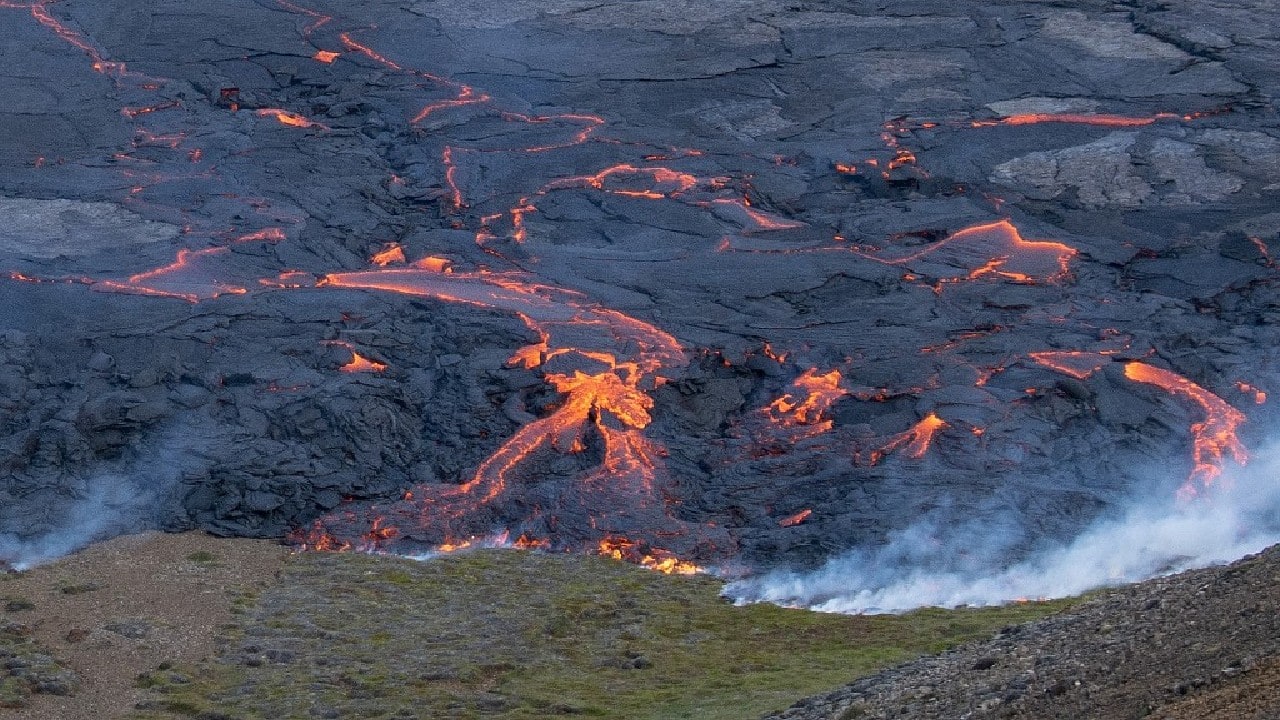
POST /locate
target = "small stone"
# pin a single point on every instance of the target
(101, 362)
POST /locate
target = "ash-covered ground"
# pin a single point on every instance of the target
(744, 283)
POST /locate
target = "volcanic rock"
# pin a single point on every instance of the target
(409, 275)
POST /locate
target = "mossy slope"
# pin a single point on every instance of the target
(505, 634)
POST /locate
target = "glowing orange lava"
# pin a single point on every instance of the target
(326, 56)
(620, 548)
(610, 401)
(810, 399)
(1259, 396)
(1078, 365)
(179, 279)
(1098, 119)
(798, 518)
(1212, 438)
(990, 250)
(914, 441)
(360, 364)
(292, 119)
(392, 254)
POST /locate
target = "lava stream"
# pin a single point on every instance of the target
(915, 441)
(1213, 438)
(808, 401)
(990, 250)
(605, 365)
(1079, 365)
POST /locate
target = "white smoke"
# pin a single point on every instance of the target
(931, 566)
(109, 504)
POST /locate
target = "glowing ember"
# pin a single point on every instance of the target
(793, 520)
(326, 56)
(1212, 438)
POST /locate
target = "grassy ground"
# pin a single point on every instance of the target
(505, 634)
(25, 667)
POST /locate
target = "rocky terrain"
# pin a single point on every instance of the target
(1200, 645)
(746, 284)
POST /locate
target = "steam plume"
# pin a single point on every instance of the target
(111, 504)
(928, 565)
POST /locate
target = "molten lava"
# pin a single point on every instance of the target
(292, 119)
(358, 363)
(809, 400)
(1213, 438)
(181, 279)
(798, 518)
(914, 441)
(991, 250)
(1079, 365)
(1259, 396)
(392, 254)
(620, 548)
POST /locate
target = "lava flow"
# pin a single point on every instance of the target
(610, 362)
(1077, 364)
(914, 441)
(1213, 438)
(601, 404)
(1098, 119)
(991, 250)
(808, 402)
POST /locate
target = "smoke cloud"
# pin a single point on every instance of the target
(931, 565)
(104, 506)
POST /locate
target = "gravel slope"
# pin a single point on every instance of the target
(1202, 644)
(120, 608)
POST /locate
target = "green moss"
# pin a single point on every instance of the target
(513, 635)
(79, 588)
(18, 604)
(202, 556)
(398, 577)
(14, 692)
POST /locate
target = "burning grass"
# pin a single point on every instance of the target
(506, 634)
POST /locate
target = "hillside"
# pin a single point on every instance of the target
(1203, 644)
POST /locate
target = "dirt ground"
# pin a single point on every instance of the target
(125, 606)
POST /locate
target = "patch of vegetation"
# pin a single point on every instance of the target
(79, 588)
(515, 635)
(202, 556)
(26, 669)
(18, 604)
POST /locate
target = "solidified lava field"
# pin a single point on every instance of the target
(743, 283)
